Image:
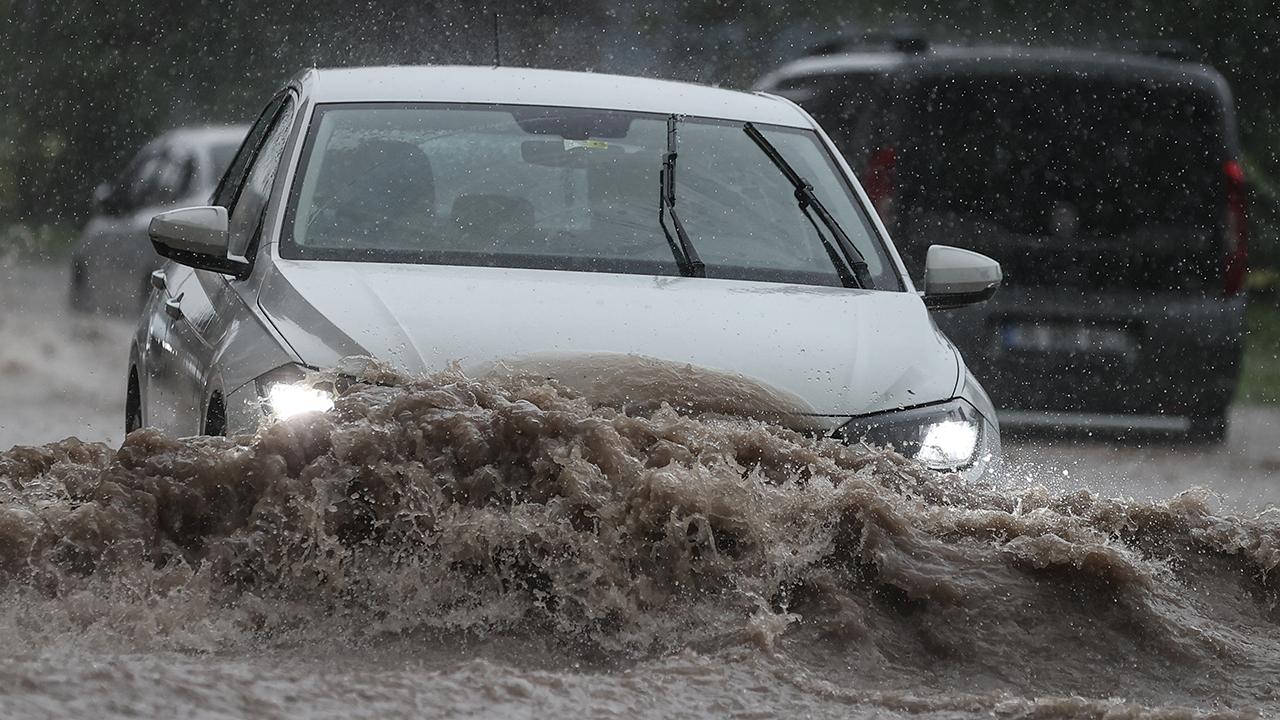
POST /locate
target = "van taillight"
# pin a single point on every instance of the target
(879, 181)
(1237, 229)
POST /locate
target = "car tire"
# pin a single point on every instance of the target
(1208, 429)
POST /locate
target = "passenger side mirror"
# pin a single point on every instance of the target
(955, 278)
(196, 237)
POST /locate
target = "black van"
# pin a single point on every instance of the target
(1109, 187)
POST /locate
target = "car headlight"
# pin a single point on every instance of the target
(286, 393)
(949, 436)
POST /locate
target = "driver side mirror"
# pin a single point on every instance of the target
(196, 237)
(955, 278)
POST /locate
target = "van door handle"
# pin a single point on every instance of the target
(157, 280)
(173, 307)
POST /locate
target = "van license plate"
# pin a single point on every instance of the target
(1067, 338)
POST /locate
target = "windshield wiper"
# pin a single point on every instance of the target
(686, 255)
(852, 266)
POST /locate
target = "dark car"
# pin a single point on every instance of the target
(1108, 186)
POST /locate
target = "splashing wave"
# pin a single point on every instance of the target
(516, 507)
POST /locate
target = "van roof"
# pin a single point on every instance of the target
(998, 60)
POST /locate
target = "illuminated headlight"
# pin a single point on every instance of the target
(948, 444)
(285, 393)
(950, 436)
(287, 400)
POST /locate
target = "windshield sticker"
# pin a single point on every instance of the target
(588, 144)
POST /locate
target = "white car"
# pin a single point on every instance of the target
(606, 230)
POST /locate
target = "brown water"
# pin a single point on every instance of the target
(446, 547)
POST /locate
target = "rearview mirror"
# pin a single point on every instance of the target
(196, 237)
(954, 277)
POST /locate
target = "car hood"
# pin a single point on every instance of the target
(814, 351)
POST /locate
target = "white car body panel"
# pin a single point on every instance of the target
(841, 352)
(523, 86)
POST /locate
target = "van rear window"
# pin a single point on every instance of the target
(1025, 152)
(1061, 160)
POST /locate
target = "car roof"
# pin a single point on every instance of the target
(996, 59)
(205, 135)
(525, 86)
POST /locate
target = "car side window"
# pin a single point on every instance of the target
(188, 175)
(172, 180)
(233, 179)
(140, 185)
(133, 182)
(246, 214)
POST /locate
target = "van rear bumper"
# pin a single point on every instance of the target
(1104, 422)
(1183, 357)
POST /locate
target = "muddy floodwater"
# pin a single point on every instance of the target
(446, 547)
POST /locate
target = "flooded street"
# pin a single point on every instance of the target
(445, 549)
(1244, 471)
(62, 374)
(639, 360)
(442, 547)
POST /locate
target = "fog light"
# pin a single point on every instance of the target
(287, 400)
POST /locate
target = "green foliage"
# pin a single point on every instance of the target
(1260, 375)
(1264, 221)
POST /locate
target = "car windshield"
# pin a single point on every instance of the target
(562, 188)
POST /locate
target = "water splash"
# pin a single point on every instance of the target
(516, 510)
